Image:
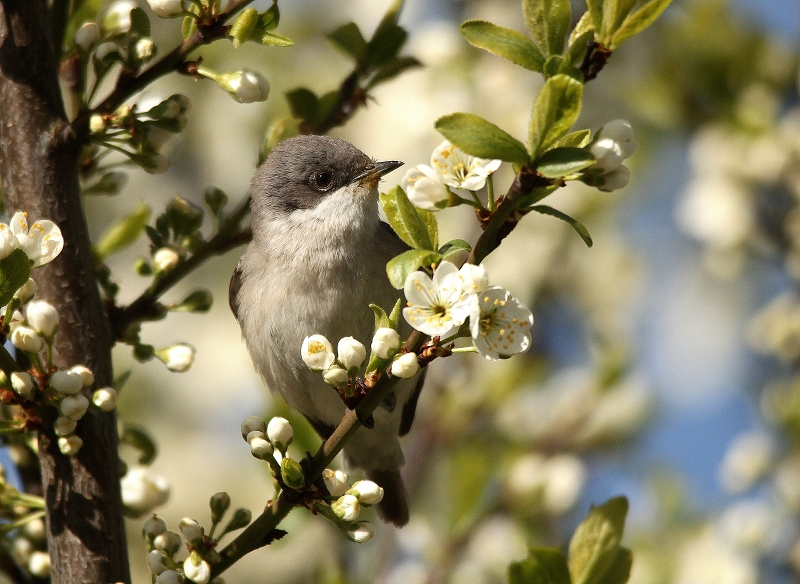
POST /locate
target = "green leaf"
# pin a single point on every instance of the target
(577, 50)
(614, 12)
(596, 14)
(577, 139)
(620, 569)
(350, 40)
(188, 27)
(394, 315)
(269, 19)
(327, 103)
(141, 441)
(481, 138)
(381, 318)
(583, 26)
(557, 107)
(391, 70)
(503, 42)
(574, 223)
(123, 233)
(215, 199)
(243, 26)
(548, 22)
(303, 103)
(271, 39)
(453, 247)
(560, 162)
(15, 269)
(385, 46)
(140, 24)
(406, 219)
(595, 544)
(399, 267)
(639, 20)
(389, 20)
(431, 225)
(542, 566)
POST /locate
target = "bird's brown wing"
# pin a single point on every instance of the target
(233, 290)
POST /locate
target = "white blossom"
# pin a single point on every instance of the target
(156, 562)
(70, 445)
(86, 374)
(335, 482)
(63, 426)
(87, 35)
(191, 531)
(280, 433)
(168, 542)
(367, 492)
(500, 324)
(39, 564)
(474, 277)
(251, 424)
(317, 353)
(169, 577)
(616, 179)
(244, 86)
(405, 366)
(196, 569)
(424, 191)
(351, 353)
(165, 259)
(166, 8)
(118, 17)
(436, 306)
(749, 457)
(26, 339)
(28, 289)
(346, 508)
(105, 398)
(22, 383)
(43, 317)
(142, 490)
(260, 447)
(35, 530)
(336, 376)
(74, 406)
(459, 170)
(66, 382)
(178, 357)
(42, 242)
(362, 532)
(386, 342)
(610, 147)
(8, 242)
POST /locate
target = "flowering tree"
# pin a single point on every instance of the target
(59, 386)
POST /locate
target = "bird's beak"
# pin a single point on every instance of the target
(376, 170)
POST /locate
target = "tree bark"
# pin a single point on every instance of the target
(39, 171)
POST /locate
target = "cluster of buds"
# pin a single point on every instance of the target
(270, 442)
(25, 539)
(163, 545)
(344, 511)
(611, 146)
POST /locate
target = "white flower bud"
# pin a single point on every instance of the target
(87, 35)
(367, 492)
(153, 527)
(244, 86)
(196, 569)
(27, 291)
(405, 366)
(335, 482)
(165, 259)
(105, 398)
(35, 530)
(66, 382)
(118, 17)
(23, 384)
(166, 8)
(346, 508)
(142, 491)
(386, 342)
(191, 531)
(26, 339)
(170, 577)
(155, 561)
(336, 376)
(317, 353)
(144, 49)
(43, 317)
(21, 550)
(608, 155)
(351, 353)
(97, 124)
(260, 447)
(39, 564)
(616, 180)
(252, 424)
(86, 374)
(621, 132)
(70, 445)
(361, 533)
(168, 542)
(280, 433)
(74, 406)
(63, 426)
(177, 357)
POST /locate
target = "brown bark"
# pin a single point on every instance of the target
(39, 175)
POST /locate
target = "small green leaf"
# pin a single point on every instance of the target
(542, 566)
(557, 107)
(391, 70)
(614, 12)
(121, 379)
(574, 223)
(639, 20)
(123, 233)
(595, 544)
(15, 269)
(453, 247)
(394, 315)
(596, 14)
(327, 103)
(584, 25)
(389, 20)
(577, 50)
(399, 267)
(560, 162)
(141, 441)
(140, 24)
(269, 19)
(576, 139)
(271, 39)
(620, 569)
(385, 47)
(406, 219)
(215, 199)
(481, 138)
(431, 225)
(198, 301)
(381, 318)
(188, 27)
(303, 103)
(243, 26)
(503, 42)
(349, 39)
(548, 22)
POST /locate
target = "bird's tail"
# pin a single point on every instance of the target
(393, 508)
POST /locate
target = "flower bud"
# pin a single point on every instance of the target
(63, 426)
(170, 577)
(66, 382)
(142, 491)
(608, 155)
(118, 17)
(618, 130)
(191, 531)
(70, 445)
(23, 384)
(292, 474)
(168, 542)
(165, 259)
(87, 35)
(152, 528)
(280, 433)
(156, 562)
(74, 406)
(260, 447)
(361, 533)
(105, 398)
(39, 564)
(351, 353)
(336, 376)
(26, 339)
(177, 357)
(405, 366)
(616, 180)
(346, 508)
(244, 86)
(27, 291)
(386, 342)
(335, 482)
(86, 374)
(252, 424)
(166, 8)
(144, 49)
(243, 26)
(35, 530)
(317, 353)
(219, 504)
(367, 492)
(241, 518)
(197, 569)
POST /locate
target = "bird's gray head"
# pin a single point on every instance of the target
(308, 173)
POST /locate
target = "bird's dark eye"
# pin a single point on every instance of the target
(322, 181)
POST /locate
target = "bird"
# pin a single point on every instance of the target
(316, 261)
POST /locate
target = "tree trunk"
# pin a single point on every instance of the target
(86, 533)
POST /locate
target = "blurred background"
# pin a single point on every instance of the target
(664, 364)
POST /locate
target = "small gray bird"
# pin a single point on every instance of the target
(316, 262)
